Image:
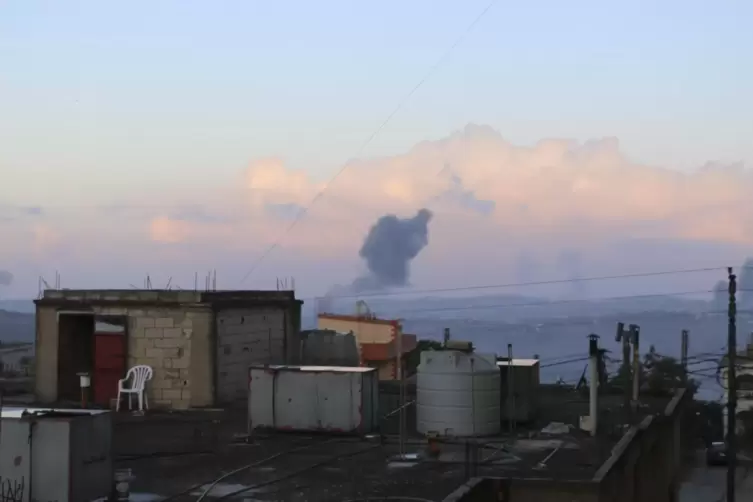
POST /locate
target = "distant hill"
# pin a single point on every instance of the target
(16, 327)
(26, 306)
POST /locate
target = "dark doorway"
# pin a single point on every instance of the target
(75, 353)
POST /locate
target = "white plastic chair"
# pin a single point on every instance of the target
(138, 376)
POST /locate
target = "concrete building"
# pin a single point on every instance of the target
(200, 344)
(744, 385)
(645, 464)
(16, 359)
(378, 340)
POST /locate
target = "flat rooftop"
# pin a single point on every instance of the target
(160, 296)
(176, 453)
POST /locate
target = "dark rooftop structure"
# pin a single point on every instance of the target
(183, 454)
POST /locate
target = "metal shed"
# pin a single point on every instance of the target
(313, 398)
(61, 455)
(525, 382)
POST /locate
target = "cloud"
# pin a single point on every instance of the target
(45, 238)
(269, 182)
(474, 178)
(6, 278)
(488, 197)
(166, 230)
(11, 213)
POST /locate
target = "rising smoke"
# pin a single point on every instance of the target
(389, 248)
(6, 278)
(745, 284)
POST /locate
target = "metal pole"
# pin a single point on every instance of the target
(510, 391)
(684, 353)
(635, 335)
(593, 405)
(622, 336)
(399, 374)
(732, 387)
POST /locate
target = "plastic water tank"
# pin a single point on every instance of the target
(458, 394)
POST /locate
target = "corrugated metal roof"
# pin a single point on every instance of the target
(314, 369)
(519, 362)
(17, 412)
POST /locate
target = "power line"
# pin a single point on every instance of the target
(560, 302)
(304, 210)
(523, 284)
(569, 361)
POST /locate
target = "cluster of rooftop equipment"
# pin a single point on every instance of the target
(459, 393)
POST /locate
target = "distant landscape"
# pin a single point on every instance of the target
(16, 326)
(553, 331)
(558, 330)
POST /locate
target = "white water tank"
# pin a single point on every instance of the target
(458, 394)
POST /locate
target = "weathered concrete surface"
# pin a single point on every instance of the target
(174, 332)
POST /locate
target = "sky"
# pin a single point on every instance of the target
(173, 137)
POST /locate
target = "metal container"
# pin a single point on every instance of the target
(313, 398)
(61, 455)
(525, 383)
(457, 394)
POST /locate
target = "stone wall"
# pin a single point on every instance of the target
(162, 339)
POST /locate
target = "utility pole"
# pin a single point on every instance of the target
(731, 387)
(510, 390)
(635, 335)
(593, 404)
(622, 336)
(684, 354)
(446, 336)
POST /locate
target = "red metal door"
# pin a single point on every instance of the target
(109, 366)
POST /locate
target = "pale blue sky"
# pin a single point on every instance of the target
(152, 94)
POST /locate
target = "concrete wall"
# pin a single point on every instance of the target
(645, 466)
(173, 341)
(524, 490)
(174, 332)
(163, 338)
(46, 341)
(245, 337)
(366, 331)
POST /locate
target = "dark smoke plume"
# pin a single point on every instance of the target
(6, 278)
(389, 248)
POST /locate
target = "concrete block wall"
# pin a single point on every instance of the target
(161, 338)
(246, 337)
